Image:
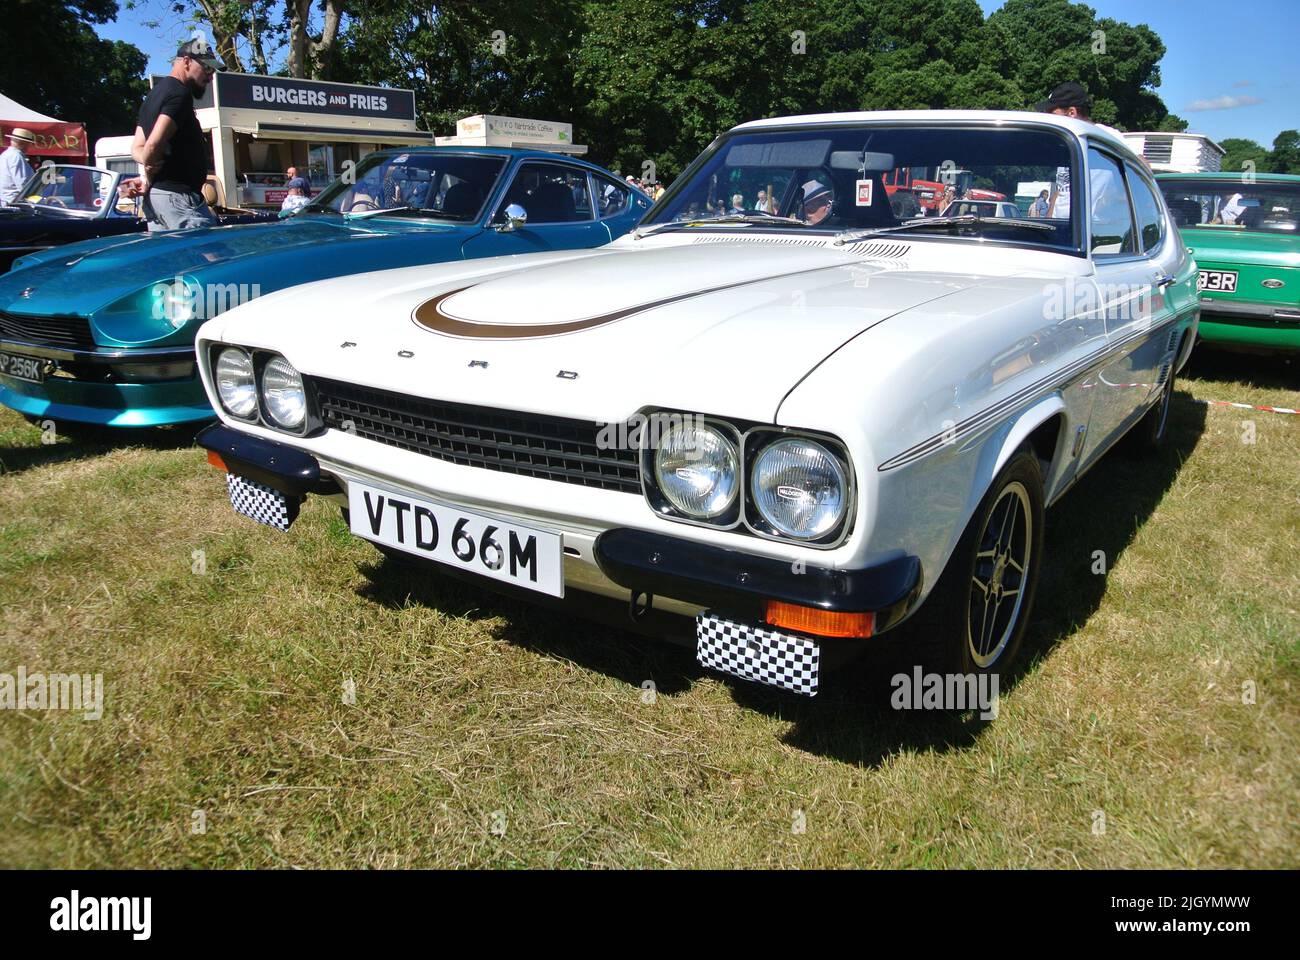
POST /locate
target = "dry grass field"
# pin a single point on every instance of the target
(483, 732)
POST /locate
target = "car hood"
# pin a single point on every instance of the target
(595, 334)
(85, 277)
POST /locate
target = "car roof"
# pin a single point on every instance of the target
(1230, 175)
(1079, 128)
(510, 152)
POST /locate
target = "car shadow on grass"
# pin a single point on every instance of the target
(1280, 371)
(586, 630)
(66, 442)
(1095, 521)
(851, 719)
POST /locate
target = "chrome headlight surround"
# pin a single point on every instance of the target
(234, 378)
(666, 445)
(752, 440)
(762, 442)
(282, 394)
(263, 414)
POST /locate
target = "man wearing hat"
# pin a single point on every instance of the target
(1069, 99)
(297, 196)
(817, 202)
(14, 168)
(169, 142)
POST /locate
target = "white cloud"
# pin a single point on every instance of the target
(1224, 102)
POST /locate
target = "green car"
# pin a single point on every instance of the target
(1244, 231)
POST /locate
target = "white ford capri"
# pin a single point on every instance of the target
(775, 407)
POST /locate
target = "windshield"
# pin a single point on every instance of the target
(871, 177)
(447, 186)
(1258, 207)
(77, 190)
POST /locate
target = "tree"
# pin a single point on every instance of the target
(52, 61)
(1119, 64)
(310, 53)
(462, 58)
(249, 35)
(1285, 155)
(1240, 152)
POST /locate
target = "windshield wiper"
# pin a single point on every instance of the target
(758, 218)
(966, 220)
(366, 214)
(422, 211)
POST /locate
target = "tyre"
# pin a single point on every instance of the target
(974, 620)
(1148, 435)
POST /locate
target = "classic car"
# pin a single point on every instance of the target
(801, 434)
(102, 332)
(1244, 231)
(981, 208)
(64, 203)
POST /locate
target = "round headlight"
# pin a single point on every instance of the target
(235, 385)
(697, 469)
(799, 488)
(176, 302)
(283, 396)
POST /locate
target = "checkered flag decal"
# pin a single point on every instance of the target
(758, 653)
(262, 503)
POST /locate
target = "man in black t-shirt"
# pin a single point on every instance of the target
(169, 143)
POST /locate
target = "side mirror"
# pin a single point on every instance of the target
(516, 217)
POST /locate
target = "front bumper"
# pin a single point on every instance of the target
(741, 584)
(86, 386)
(726, 590)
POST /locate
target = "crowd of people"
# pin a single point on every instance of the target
(654, 190)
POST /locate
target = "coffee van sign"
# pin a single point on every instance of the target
(250, 92)
(515, 129)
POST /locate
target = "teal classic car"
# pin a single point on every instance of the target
(102, 332)
(1244, 231)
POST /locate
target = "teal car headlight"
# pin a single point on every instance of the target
(697, 469)
(236, 385)
(176, 301)
(284, 398)
(799, 488)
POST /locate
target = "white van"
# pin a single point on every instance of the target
(114, 153)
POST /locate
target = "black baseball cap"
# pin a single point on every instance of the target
(1064, 96)
(200, 50)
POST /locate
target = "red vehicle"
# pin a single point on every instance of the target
(934, 189)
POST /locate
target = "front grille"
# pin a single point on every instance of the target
(71, 332)
(532, 445)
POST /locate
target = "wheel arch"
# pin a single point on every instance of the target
(1045, 427)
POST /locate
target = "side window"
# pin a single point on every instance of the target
(1150, 218)
(550, 193)
(1109, 210)
(612, 198)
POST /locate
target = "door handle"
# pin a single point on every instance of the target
(1165, 281)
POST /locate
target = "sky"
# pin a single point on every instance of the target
(1230, 68)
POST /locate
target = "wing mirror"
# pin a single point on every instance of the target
(516, 217)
